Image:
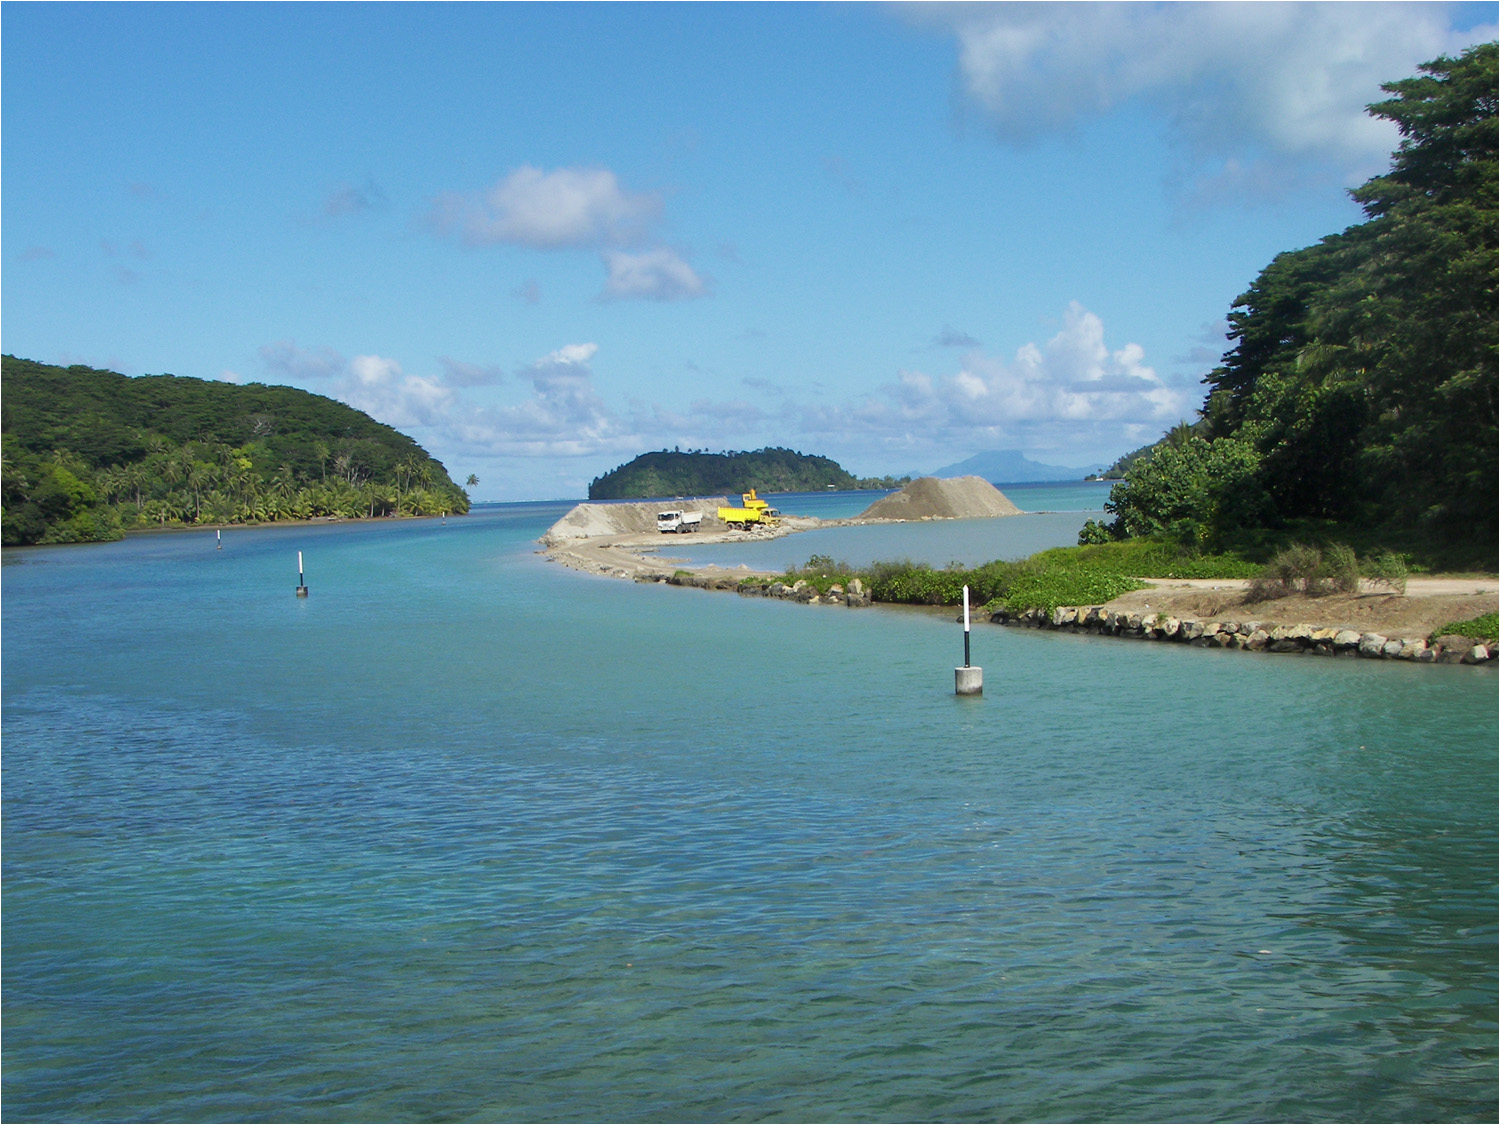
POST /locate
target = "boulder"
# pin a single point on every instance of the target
(1372, 645)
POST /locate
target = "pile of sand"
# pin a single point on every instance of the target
(587, 521)
(959, 498)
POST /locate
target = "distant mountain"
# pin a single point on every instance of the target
(1013, 466)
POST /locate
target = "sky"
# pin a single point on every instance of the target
(544, 238)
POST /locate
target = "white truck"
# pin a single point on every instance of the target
(677, 521)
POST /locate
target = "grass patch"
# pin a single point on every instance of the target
(1096, 573)
(1150, 558)
(1482, 628)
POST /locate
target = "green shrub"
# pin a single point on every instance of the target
(1485, 627)
(1388, 569)
(1046, 590)
(1093, 532)
(1340, 568)
(1296, 568)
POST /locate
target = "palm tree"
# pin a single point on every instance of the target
(472, 481)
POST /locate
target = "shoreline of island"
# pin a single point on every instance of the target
(1374, 622)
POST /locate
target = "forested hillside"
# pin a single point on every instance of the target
(88, 453)
(673, 473)
(1361, 387)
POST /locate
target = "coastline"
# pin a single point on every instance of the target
(1405, 620)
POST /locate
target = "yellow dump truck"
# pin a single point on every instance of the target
(753, 512)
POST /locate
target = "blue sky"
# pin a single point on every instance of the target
(543, 238)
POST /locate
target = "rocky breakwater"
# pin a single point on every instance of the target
(1251, 636)
(855, 595)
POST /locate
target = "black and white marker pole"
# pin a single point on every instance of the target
(967, 680)
(301, 584)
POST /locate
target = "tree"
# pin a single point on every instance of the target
(1195, 492)
(1363, 369)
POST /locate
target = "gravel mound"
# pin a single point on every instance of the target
(929, 498)
(587, 521)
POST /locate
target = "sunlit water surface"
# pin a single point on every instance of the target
(464, 835)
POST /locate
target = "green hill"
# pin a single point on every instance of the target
(90, 453)
(673, 473)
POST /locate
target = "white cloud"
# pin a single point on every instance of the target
(380, 388)
(658, 275)
(1075, 397)
(1074, 394)
(371, 383)
(564, 417)
(572, 209)
(569, 207)
(1251, 90)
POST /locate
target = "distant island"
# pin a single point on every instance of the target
(672, 472)
(90, 454)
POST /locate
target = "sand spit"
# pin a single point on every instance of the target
(589, 539)
(620, 539)
(635, 517)
(931, 498)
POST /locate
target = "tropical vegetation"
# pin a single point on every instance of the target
(1358, 400)
(697, 472)
(89, 454)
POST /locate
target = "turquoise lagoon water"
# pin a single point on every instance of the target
(466, 836)
(1054, 514)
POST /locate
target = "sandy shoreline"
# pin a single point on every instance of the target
(1427, 605)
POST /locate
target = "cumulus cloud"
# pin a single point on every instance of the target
(1074, 392)
(1249, 89)
(569, 207)
(657, 275)
(564, 416)
(574, 209)
(380, 388)
(456, 373)
(375, 384)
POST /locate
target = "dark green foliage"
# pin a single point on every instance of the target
(1485, 627)
(673, 473)
(1093, 531)
(1361, 388)
(1191, 493)
(89, 452)
(1177, 435)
